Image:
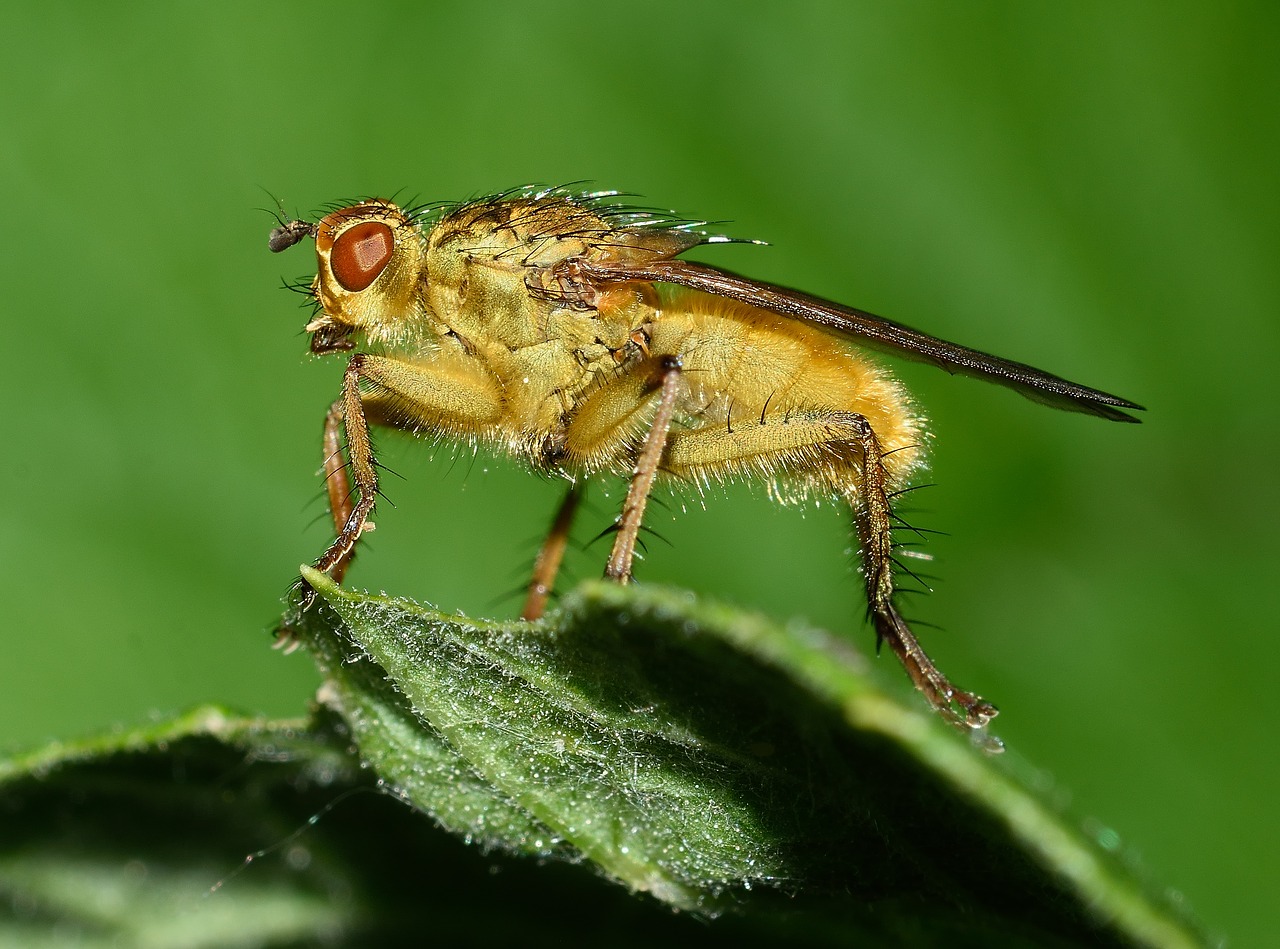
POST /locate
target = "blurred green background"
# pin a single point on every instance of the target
(1091, 188)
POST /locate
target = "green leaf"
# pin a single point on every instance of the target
(716, 760)
(758, 778)
(137, 837)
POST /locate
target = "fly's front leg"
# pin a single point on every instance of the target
(337, 484)
(456, 398)
(646, 469)
(349, 518)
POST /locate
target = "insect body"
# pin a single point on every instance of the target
(565, 330)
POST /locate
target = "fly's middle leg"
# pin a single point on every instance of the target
(547, 564)
(645, 472)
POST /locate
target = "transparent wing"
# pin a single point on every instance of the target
(877, 332)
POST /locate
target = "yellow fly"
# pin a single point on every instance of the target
(564, 329)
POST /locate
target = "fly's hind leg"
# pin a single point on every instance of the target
(838, 451)
(874, 520)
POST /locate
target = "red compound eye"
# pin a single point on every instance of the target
(360, 253)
